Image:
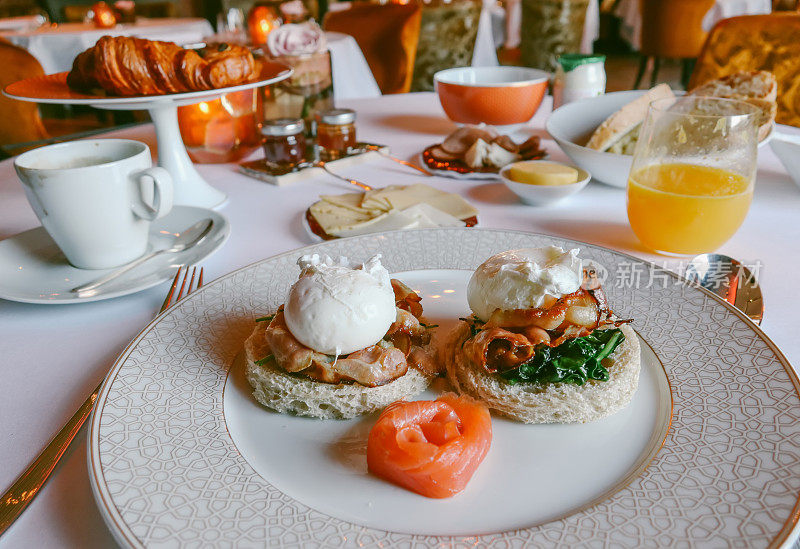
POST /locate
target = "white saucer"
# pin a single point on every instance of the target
(34, 270)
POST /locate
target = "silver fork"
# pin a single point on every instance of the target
(25, 488)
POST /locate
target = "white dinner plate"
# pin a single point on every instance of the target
(179, 452)
(34, 270)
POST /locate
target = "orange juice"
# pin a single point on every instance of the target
(686, 208)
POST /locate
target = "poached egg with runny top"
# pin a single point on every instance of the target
(335, 308)
(527, 278)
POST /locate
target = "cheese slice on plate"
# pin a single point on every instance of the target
(350, 201)
(418, 216)
(391, 208)
(400, 197)
(452, 204)
(334, 218)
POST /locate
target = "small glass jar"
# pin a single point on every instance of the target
(336, 133)
(284, 141)
(578, 76)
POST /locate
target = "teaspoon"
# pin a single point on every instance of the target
(184, 240)
(730, 280)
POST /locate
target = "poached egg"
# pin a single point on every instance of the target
(337, 309)
(527, 278)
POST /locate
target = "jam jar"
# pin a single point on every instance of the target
(336, 133)
(284, 141)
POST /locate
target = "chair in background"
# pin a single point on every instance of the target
(785, 5)
(17, 8)
(387, 35)
(549, 29)
(75, 14)
(757, 42)
(447, 35)
(20, 121)
(671, 29)
(156, 9)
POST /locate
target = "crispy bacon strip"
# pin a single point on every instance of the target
(407, 332)
(376, 365)
(498, 349)
(510, 337)
(407, 299)
(576, 308)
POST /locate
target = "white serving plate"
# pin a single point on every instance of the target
(180, 454)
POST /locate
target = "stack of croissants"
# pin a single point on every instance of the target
(127, 66)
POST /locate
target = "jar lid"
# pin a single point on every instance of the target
(337, 117)
(282, 126)
(569, 61)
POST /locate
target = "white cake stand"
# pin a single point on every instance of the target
(190, 188)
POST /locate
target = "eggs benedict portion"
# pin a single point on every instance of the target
(348, 340)
(542, 345)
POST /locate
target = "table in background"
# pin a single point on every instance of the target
(22, 23)
(56, 47)
(507, 24)
(352, 77)
(53, 356)
(631, 28)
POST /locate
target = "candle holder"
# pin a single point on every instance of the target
(304, 94)
(221, 130)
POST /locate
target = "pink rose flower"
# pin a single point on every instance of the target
(296, 39)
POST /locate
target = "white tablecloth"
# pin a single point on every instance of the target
(508, 21)
(53, 356)
(22, 23)
(352, 77)
(56, 47)
(631, 28)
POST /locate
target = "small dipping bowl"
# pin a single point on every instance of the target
(544, 195)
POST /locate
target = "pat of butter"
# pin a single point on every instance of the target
(542, 173)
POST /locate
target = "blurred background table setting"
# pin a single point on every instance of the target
(278, 125)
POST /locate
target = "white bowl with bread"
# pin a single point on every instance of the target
(599, 133)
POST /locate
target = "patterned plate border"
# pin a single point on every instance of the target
(165, 471)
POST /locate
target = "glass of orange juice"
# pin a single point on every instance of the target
(691, 182)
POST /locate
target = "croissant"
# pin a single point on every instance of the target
(126, 66)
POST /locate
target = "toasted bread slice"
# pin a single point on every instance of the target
(548, 402)
(296, 394)
(628, 118)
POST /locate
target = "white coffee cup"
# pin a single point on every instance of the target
(96, 198)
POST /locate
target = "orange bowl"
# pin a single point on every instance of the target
(498, 96)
